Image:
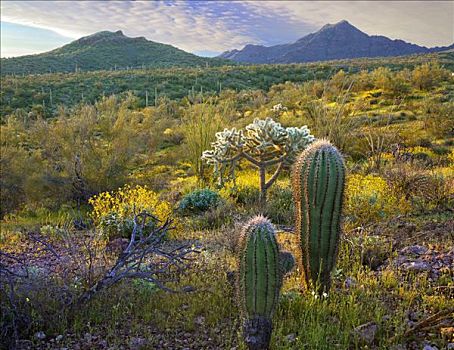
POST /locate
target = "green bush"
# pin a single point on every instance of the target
(200, 201)
(280, 207)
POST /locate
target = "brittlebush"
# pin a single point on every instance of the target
(113, 212)
(369, 199)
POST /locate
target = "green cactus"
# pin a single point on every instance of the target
(318, 184)
(259, 280)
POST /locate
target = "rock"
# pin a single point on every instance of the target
(414, 250)
(290, 337)
(399, 347)
(188, 289)
(366, 332)
(40, 335)
(137, 343)
(450, 346)
(429, 347)
(417, 266)
(199, 320)
(58, 338)
(349, 282)
(88, 337)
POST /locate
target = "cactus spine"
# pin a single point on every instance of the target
(258, 280)
(318, 184)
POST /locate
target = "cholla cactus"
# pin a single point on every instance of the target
(264, 143)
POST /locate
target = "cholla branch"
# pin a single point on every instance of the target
(144, 258)
(69, 273)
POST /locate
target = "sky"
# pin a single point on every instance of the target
(210, 27)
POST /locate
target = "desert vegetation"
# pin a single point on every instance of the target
(133, 220)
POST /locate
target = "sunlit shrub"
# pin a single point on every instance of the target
(451, 157)
(113, 212)
(369, 199)
(245, 189)
(200, 201)
(422, 153)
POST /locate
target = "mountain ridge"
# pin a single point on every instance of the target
(341, 40)
(106, 50)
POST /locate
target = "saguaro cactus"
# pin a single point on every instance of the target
(318, 184)
(259, 280)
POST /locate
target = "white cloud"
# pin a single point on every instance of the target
(177, 25)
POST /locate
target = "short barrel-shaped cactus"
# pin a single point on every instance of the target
(318, 180)
(259, 279)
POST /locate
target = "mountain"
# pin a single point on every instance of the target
(333, 41)
(104, 51)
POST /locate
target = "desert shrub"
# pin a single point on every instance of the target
(213, 218)
(244, 190)
(369, 199)
(280, 207)
(405, 181)
(199, 201)
(201, 123)
(439, 194)
(427, 75)
(113, 212)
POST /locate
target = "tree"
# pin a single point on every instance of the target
(264, 143)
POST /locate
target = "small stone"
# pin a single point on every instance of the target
(188, 289)
(290, 337)
(137, 343)
(414, 250)
(399, 347)
(417, 266)
(366, 332)
(200, 320)
(429, 347)
(450, 346)
(88, 337)
(58, 338)
(349, 282)
(40, 335)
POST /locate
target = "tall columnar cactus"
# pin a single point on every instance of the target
(318, 184)
(259, 280)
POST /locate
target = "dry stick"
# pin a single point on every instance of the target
(429, 322)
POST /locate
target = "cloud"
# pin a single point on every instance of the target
(215, 26)
(174, 23)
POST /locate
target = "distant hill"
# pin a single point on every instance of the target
(333, 41)
(69, 89)
(106, 51)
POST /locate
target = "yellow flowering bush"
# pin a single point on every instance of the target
(245, 190)
(451, 158)
(419, 150)
(113, 212)
(369, 199)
